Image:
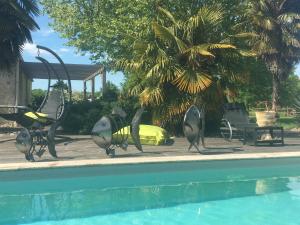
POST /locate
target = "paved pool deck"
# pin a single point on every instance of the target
(80, 150)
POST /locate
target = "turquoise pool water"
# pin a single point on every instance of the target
(241, 192)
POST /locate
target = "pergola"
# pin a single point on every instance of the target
(82, 72)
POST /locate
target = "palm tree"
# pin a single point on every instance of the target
(276, 37)
(182, 61)
(16, 23)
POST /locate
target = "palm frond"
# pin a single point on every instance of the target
(191, 82)
(247, 53)
(180, 44)
(292, 41)
(220, 46)
(245, 35)
(265, 23)
(128, 65)
(136, 90)
(169, 15)
(141, 47)
(162, 32)
(289, 17)
(151, 96)
(198, 50)
(166, 34)
(177, 107)
(210, 14)
(16, 23)
(206, 16)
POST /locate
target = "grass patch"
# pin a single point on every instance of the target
(288, 122)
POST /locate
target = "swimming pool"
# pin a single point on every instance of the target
(264, 191)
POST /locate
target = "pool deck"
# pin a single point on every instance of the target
(78, 150)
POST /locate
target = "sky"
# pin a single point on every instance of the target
(47, 37)
(298, 70)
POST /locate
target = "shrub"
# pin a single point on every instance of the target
(37, 97)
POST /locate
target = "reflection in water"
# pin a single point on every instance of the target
(58, 206)
(271, 185)
(294, 186)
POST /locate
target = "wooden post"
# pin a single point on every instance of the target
(17, 84)
(84, 90)
(93, 88)
(103, 80)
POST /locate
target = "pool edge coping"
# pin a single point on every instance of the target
(142, 160)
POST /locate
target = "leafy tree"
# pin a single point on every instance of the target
(104, 28)
(257, 85)
(290, 90)
(108, 29)
(184, 60)
(111, 92)
(16, 23)
(274, 27)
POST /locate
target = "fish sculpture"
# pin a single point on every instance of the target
(135, 129)
(24, 143)
(114, 123)
(193, 127)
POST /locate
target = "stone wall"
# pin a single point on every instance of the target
(24, 90)
(8, 85)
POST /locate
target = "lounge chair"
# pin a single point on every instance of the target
(236, 122)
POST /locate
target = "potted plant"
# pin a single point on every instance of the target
(267, 117)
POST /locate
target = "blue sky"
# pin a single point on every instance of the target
(46, 36)
(298, 70)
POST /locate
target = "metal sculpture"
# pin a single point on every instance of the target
(39, 127)
(109, 132)
(194, 126)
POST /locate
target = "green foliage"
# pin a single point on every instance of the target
(83, 115)
(61, 85)
(77, 96)
(257, 87)
(16, 23)
(111, 92)
(104, 28)
(108, 29)
(274, 29)
(182, 62)
(178, 60)
(37, 97)
(288, 123)
(290, 90)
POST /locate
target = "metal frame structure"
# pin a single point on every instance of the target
(38, 132)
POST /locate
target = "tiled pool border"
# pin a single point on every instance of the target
(141, 160)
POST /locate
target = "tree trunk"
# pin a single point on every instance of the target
(275, 92)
